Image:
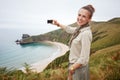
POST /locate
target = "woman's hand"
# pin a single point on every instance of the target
(74, 67)
(55, 22)
(71, 70)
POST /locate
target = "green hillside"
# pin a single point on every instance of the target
(104, 60)
(105, 39)
(103, 33)
(105, 49)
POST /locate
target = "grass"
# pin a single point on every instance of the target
(106, 35)
(104, 64)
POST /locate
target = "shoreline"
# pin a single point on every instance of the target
(41, 65)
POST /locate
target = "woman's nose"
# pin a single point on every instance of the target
(81, 17)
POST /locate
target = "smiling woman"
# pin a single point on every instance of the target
(79, 43)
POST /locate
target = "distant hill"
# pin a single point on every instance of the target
(104, 34)
(115, 20)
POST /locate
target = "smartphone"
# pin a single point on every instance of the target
(50, 21)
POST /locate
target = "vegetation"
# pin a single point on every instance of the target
(104, 60)
(104, 64)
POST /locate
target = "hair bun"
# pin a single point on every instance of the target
(90, 8)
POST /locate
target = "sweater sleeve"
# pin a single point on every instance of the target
(70, 29)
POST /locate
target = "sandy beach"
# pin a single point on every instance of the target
(41, 65)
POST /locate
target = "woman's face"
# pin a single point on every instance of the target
(83, 17)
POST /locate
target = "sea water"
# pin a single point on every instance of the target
(13, 55)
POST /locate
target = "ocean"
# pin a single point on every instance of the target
(13, 55)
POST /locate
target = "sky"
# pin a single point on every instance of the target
(34, 13)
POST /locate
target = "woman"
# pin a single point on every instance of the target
(79, 43)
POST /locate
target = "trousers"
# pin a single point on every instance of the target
(81, 73)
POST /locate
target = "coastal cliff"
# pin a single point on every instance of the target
(26, 39)
(103, 32)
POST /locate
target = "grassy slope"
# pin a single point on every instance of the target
(104, 64)
(106, 50)
(105, 35)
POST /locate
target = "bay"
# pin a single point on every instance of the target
(14, 56)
